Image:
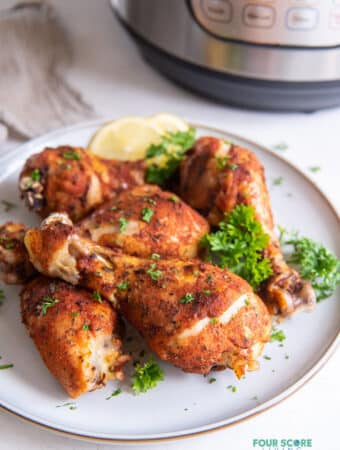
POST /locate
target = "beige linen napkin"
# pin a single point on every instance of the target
(34, 52)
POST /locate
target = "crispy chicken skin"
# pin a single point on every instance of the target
(192, 314)
(242, 180)
(173, 228)
(73, 180)
(77, 337)
(15, 266)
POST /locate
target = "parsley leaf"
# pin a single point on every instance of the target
(221, 162)
(122, 224)
(86, 327)
(238, 245)
(6, 366)
(281, 146)
(71, 155)
(277, 335)
(155, 256)
(114, 394)
(123, 285)
(147, 376)
(278, 181)
(97, 297)
(315, 263)
(153, 272)
(47, 303)
(147, 214)
(165, 156)
(188, 298)
(2, 296)
(36, 175)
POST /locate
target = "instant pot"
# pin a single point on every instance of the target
(264, 54)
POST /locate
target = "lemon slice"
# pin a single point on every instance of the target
(168, 122)
(125, 139)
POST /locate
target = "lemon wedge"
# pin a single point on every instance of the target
(168, 122)
(125, 139)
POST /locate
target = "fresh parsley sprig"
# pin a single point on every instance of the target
(314, 262)
(47, 303)
(238, 244)
(147, 376)
(165, 156)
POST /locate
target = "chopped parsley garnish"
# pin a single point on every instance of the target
(97, 297)
(86, 327)
(277, 335)
(281, 146)
(174, 199)
(47, 303)
(122, 224)
(188, 298)
(7, 243)
(155, 256)
(6, 366)
(123, 285)
(71, 155)
(221, 162)
(149, 200)
(147, 214)
(212, 320)
(153, 272)
(315, 169)
(2, 296)
(165, 156)
(239, 245)
(36, 175)
(314, 262)
(232, 388)
(206, 292)
(114, 208)
(268, 358)
(232, 166)
(8, 206)
(147, 376)
(70, 405)
(114, 394)
(212, 380)
(74, 314)
(278, 181)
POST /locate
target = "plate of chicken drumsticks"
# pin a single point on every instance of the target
(161, 297)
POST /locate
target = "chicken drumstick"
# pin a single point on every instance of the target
(217, 176)
(192, 314)
(75, 181)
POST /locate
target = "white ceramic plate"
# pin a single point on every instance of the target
(182, 405)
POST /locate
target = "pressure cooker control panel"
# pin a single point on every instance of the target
(306, 23)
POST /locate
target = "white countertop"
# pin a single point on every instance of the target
(109, 72)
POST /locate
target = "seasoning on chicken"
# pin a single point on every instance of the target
(77, 337)
(73, 180)
(214, 178)
(15, 266)
(146, 220)
(192, 314)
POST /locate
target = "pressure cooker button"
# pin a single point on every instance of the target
(258, 16)
(217, 10)
(302, 18)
